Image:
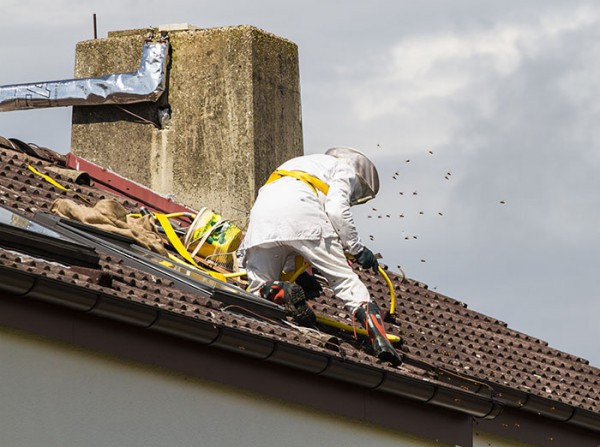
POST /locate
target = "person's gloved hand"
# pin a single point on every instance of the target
(367, 260)
(312, 288)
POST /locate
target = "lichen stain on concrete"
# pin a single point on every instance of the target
(161, 165)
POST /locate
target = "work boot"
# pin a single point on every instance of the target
(291, 296)
(368, 314)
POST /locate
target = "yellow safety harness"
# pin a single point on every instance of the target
(313, 182)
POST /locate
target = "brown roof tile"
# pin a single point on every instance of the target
(444, 340)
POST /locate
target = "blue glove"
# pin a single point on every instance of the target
(367, 260)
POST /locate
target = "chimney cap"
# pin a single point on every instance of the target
(177, 27)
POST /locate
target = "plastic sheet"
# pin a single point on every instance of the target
(146, 84)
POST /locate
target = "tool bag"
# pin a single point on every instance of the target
(212, 237)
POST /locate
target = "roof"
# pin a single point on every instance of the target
(450, 349)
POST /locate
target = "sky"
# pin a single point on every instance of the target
(481, 116)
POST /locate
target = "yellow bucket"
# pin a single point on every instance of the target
(213, 238)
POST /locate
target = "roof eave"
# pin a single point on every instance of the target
(28, 285)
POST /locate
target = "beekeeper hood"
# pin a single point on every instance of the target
(367, 186)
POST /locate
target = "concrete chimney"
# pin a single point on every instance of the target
(230, 115)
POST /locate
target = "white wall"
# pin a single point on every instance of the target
(52, 394)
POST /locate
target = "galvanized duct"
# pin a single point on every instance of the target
(146, 84)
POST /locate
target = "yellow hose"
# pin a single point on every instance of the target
(346, 327)
(234, 274)
(392, 293)
(298, 272)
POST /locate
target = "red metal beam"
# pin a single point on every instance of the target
(112, 182)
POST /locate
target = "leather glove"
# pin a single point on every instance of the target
(312, 288)
(367, 260)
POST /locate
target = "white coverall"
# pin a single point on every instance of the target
(289, 218)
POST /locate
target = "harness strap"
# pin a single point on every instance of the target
(313, 182)
(178, 245)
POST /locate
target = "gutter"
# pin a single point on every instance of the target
(547, 408)
(29, 285)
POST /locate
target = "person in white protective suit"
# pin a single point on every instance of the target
(304, 209)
